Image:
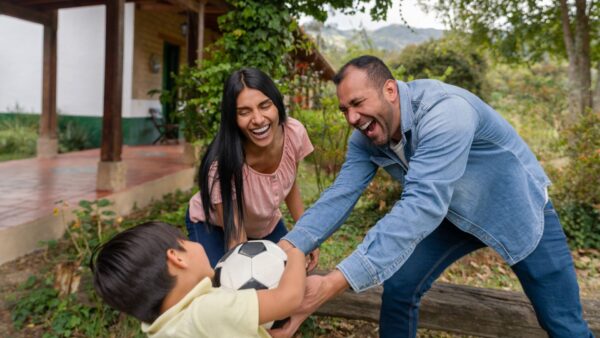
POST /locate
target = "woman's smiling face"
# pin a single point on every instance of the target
(257, 117)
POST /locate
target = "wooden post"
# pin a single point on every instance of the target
(112, 137)
(111, 171)
(192, 38)
(201, 23)
(47, 144)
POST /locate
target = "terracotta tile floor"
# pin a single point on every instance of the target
(30, 188)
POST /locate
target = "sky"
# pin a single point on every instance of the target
(412, 13)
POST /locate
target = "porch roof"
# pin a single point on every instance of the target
(37, 10)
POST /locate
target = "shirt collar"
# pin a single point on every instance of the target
(406, 112)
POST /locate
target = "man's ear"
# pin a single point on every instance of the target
(390, 90)
(176, 258)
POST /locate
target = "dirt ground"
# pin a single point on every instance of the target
(11, 275)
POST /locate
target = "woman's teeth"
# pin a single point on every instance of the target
(261, 130)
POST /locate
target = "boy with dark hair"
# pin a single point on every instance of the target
(152, 273)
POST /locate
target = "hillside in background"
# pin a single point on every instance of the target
(391, 38)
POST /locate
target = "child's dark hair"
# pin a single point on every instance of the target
(130, 270)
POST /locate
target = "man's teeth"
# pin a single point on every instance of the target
(260, 130)
(365, 125)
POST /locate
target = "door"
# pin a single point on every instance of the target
(170, 67)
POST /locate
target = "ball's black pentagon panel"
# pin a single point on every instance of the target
(217, 279)
(253, 284)
(252, 249)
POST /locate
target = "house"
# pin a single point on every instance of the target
(95, 61)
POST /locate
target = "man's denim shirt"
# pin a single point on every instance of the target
(465, 163)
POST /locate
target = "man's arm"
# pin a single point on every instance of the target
(333, 207)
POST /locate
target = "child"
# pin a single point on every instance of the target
(152, 273)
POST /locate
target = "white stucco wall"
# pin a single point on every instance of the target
(80, 73)
(20, 64)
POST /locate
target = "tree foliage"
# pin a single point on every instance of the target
(530, 30)
(450, 59)
(260, 34)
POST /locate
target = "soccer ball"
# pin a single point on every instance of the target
(252, 265)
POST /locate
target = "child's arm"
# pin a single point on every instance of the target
(282, 301)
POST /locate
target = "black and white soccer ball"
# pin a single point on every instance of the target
(255, 264)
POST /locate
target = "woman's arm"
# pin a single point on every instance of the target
(296, 208)
(294, 202)
(282, 301)
(219, 218)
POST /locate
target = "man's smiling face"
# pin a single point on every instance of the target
(367, 108)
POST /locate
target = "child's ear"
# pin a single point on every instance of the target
(176, 258)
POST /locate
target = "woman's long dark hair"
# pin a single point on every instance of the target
(227, 149)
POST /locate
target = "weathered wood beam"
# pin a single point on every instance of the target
(158, 7)
(48, 118)
(56, 4)
(190, 5)
(27, 14)
(460, 309)
(112, 137)
(192, 38)
(201, 24)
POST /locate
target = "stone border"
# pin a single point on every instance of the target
(24, 238)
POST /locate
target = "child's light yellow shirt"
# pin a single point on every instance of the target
(210, 312)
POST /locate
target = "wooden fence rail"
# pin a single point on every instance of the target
(460, 309)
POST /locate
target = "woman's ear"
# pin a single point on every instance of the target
(176, 258)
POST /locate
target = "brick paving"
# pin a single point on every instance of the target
(30, 188)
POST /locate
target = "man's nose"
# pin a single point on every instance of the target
(352, 116)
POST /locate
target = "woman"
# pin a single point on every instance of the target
(249, 169)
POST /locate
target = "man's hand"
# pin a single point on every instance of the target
(319, 289)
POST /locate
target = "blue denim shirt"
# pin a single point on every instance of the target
(465, 163)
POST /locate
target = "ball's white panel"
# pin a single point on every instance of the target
(275, 250)
(236, 271)
(267, 268)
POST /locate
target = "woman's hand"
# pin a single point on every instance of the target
(312, 260)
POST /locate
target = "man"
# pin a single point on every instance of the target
(469, 181)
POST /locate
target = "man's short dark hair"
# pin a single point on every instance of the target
(376, 70)
(130, 270)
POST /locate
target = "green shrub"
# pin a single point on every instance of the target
(72, 137)
(449, 59)
(328, 132)
(533, 100)
(18, 136)
(576, 189)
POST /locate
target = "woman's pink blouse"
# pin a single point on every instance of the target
(263, 193)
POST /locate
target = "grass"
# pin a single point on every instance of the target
(11, 157)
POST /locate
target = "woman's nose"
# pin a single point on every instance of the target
(257, 117)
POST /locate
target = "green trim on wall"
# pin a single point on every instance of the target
(136, 130)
